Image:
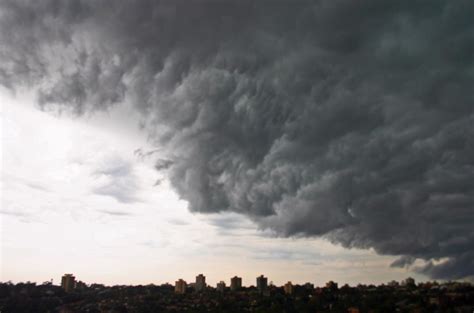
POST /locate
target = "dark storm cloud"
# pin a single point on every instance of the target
(346, 119)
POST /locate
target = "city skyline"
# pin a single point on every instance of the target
(404, 297)
(148, 141)
(69, 283)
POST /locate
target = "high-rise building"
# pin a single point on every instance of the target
(220, 286)
(180, 286)
(68, 282)
(288, 287)
(200, 282)
(262, 283)
(235, 283)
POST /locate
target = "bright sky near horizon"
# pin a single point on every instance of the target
(76, 198)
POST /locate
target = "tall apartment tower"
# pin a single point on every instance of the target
(288, 287)
(235, 283)
(180, 287)
(68, 282)
(262, 283)
(200, 282)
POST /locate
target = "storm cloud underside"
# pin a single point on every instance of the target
(351, 120)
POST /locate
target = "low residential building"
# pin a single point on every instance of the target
(288, 287)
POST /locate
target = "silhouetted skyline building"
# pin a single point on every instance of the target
(235, 283)
(262, 283)
(200, 282)
(68, 282)
(180, 286)
(423, 297)
(220, 286)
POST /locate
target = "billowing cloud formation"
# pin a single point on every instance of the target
(346, 119)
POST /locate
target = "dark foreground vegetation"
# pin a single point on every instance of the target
(426, 297)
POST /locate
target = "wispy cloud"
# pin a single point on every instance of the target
(115, 178)
(14, 213)
(177, 221)
(115, 212)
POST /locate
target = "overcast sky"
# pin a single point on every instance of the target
(309, 140)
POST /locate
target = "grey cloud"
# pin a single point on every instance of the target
(231, 225)
(28, 182)
(38, 186)
(457, 268)
(115, 212)
(120, 191)
(345, 119)
(286, 254)
(117, 180)
(142, 155)
(403, 261)
(115, 167)
(14, 213)
(179, 222)
(162, 164)
(22, 215)
(228, 221)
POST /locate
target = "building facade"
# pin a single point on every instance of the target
(200, 282)
(220, 286)
(235, 283)
(180, 286)
(67, 282)
(262, 283)
(288, 287)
